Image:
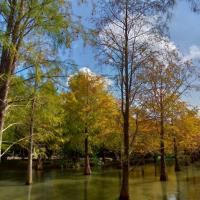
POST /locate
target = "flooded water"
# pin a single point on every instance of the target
(102, 185)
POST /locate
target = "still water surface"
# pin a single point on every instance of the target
(102, 185)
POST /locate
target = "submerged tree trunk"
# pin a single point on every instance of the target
(124, 194)
(176, 166)
(87, 170)
(163, 174)
(29, 179)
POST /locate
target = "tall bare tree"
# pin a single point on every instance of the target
(125, 29)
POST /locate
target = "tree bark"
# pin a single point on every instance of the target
(4, 87)
(124, 193)
(8, 60)
(176, 166)
(163, 174)
(29, 179)
(87, 170)
(6, 68)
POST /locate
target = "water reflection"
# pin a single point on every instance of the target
(168, 193)
(164, 190)
(86, 182)
(102, 185)
(29, 192)
(178, 186)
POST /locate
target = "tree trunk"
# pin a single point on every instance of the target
(124, 193)
(30, 152)
(155, 164)
(29, 178)
(39, 163)
(4, 87)
(177, 166)
(87, 170)
(7, 65)
(143, 164)
(186, 162)
(103, 157)
(163, 174)
(5, 74)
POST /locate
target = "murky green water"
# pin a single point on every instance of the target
(102, 185)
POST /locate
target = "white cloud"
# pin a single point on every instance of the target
(194, 53)
(108, 82)
(142, 37)
(86, 70)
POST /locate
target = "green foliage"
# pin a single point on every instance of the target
(88, 105)
(48, 115)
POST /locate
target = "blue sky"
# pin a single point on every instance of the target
(185, 27)
(184, 31)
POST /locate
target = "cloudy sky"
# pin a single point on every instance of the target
(184, 32)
